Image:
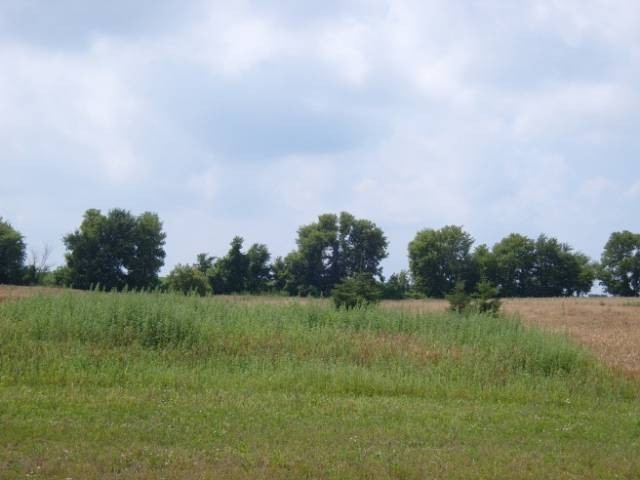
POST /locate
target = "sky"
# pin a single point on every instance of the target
(252, 118)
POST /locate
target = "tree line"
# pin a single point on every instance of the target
(337, 255)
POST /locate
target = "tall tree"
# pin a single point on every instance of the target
(258, 268)
(148, 256)
(115, 250)
(558, 270)
(362, 245)
(229, 273)
(438, 259)
(332, 249)
(204, 263)
(620, 264)
(12, 253)
(397, 286)
(484, 265)
(515, 262)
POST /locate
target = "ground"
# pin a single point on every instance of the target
(159, 386)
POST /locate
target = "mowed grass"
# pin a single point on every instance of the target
(128, 385)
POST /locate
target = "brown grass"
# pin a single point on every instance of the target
(12, 291)
(608, 326)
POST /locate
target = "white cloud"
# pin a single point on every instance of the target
(596, 187)
(479, 113)
(207, 184)
(634, 191)
(571, 108)
(71, 105)
(343, 45)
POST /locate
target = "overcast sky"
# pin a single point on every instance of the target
(251, 118)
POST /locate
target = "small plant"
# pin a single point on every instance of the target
(459, 299)
(484, 299)
(358, 291)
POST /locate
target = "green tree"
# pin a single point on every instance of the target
(485, 298)
(332, 249)
(484, 265)
(205, 263)
(280, 275)
(558, 270)
(148, 255)
(515, 257)
(229, 274)
(188, 279)
(586, 277)
(258, 268)
(438, 259)
(116, 250)
(358, 291)
(12, 253)
(361, 247)
(397, 286)
(620, 264)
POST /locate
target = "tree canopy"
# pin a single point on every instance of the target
(620, 264)
(188, 279)
(12, 253)
(330, 250)
(438, 259)
(116, 250)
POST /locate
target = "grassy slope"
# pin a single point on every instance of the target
(147, 386)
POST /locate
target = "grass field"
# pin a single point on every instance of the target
(160, 386)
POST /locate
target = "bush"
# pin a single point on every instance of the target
(484, 299)
(188, 279)
(358, 291)
(458, 298)
(397, 287)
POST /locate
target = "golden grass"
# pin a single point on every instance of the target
(608, 326)
(13, 291)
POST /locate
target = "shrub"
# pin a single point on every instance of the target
(484, 299)
(188, 279)
(357, 291)
(458, 298)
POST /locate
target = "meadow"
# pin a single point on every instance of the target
(129, 385)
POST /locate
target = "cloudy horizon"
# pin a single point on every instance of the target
(252, 119)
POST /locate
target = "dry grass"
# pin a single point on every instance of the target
(608, 326)
(12, 291)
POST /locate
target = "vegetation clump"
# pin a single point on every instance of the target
(483, 300)
(358, 291)
(187, 279)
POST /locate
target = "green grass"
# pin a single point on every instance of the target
(131, 385)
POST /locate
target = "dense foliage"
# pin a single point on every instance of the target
(484, 300)
(517, 265)
(116, 250)
(438, 259)
(620, 264)
(360, 290)
(120, 250)
(12, 253)
(188, 279)
(330, 250)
